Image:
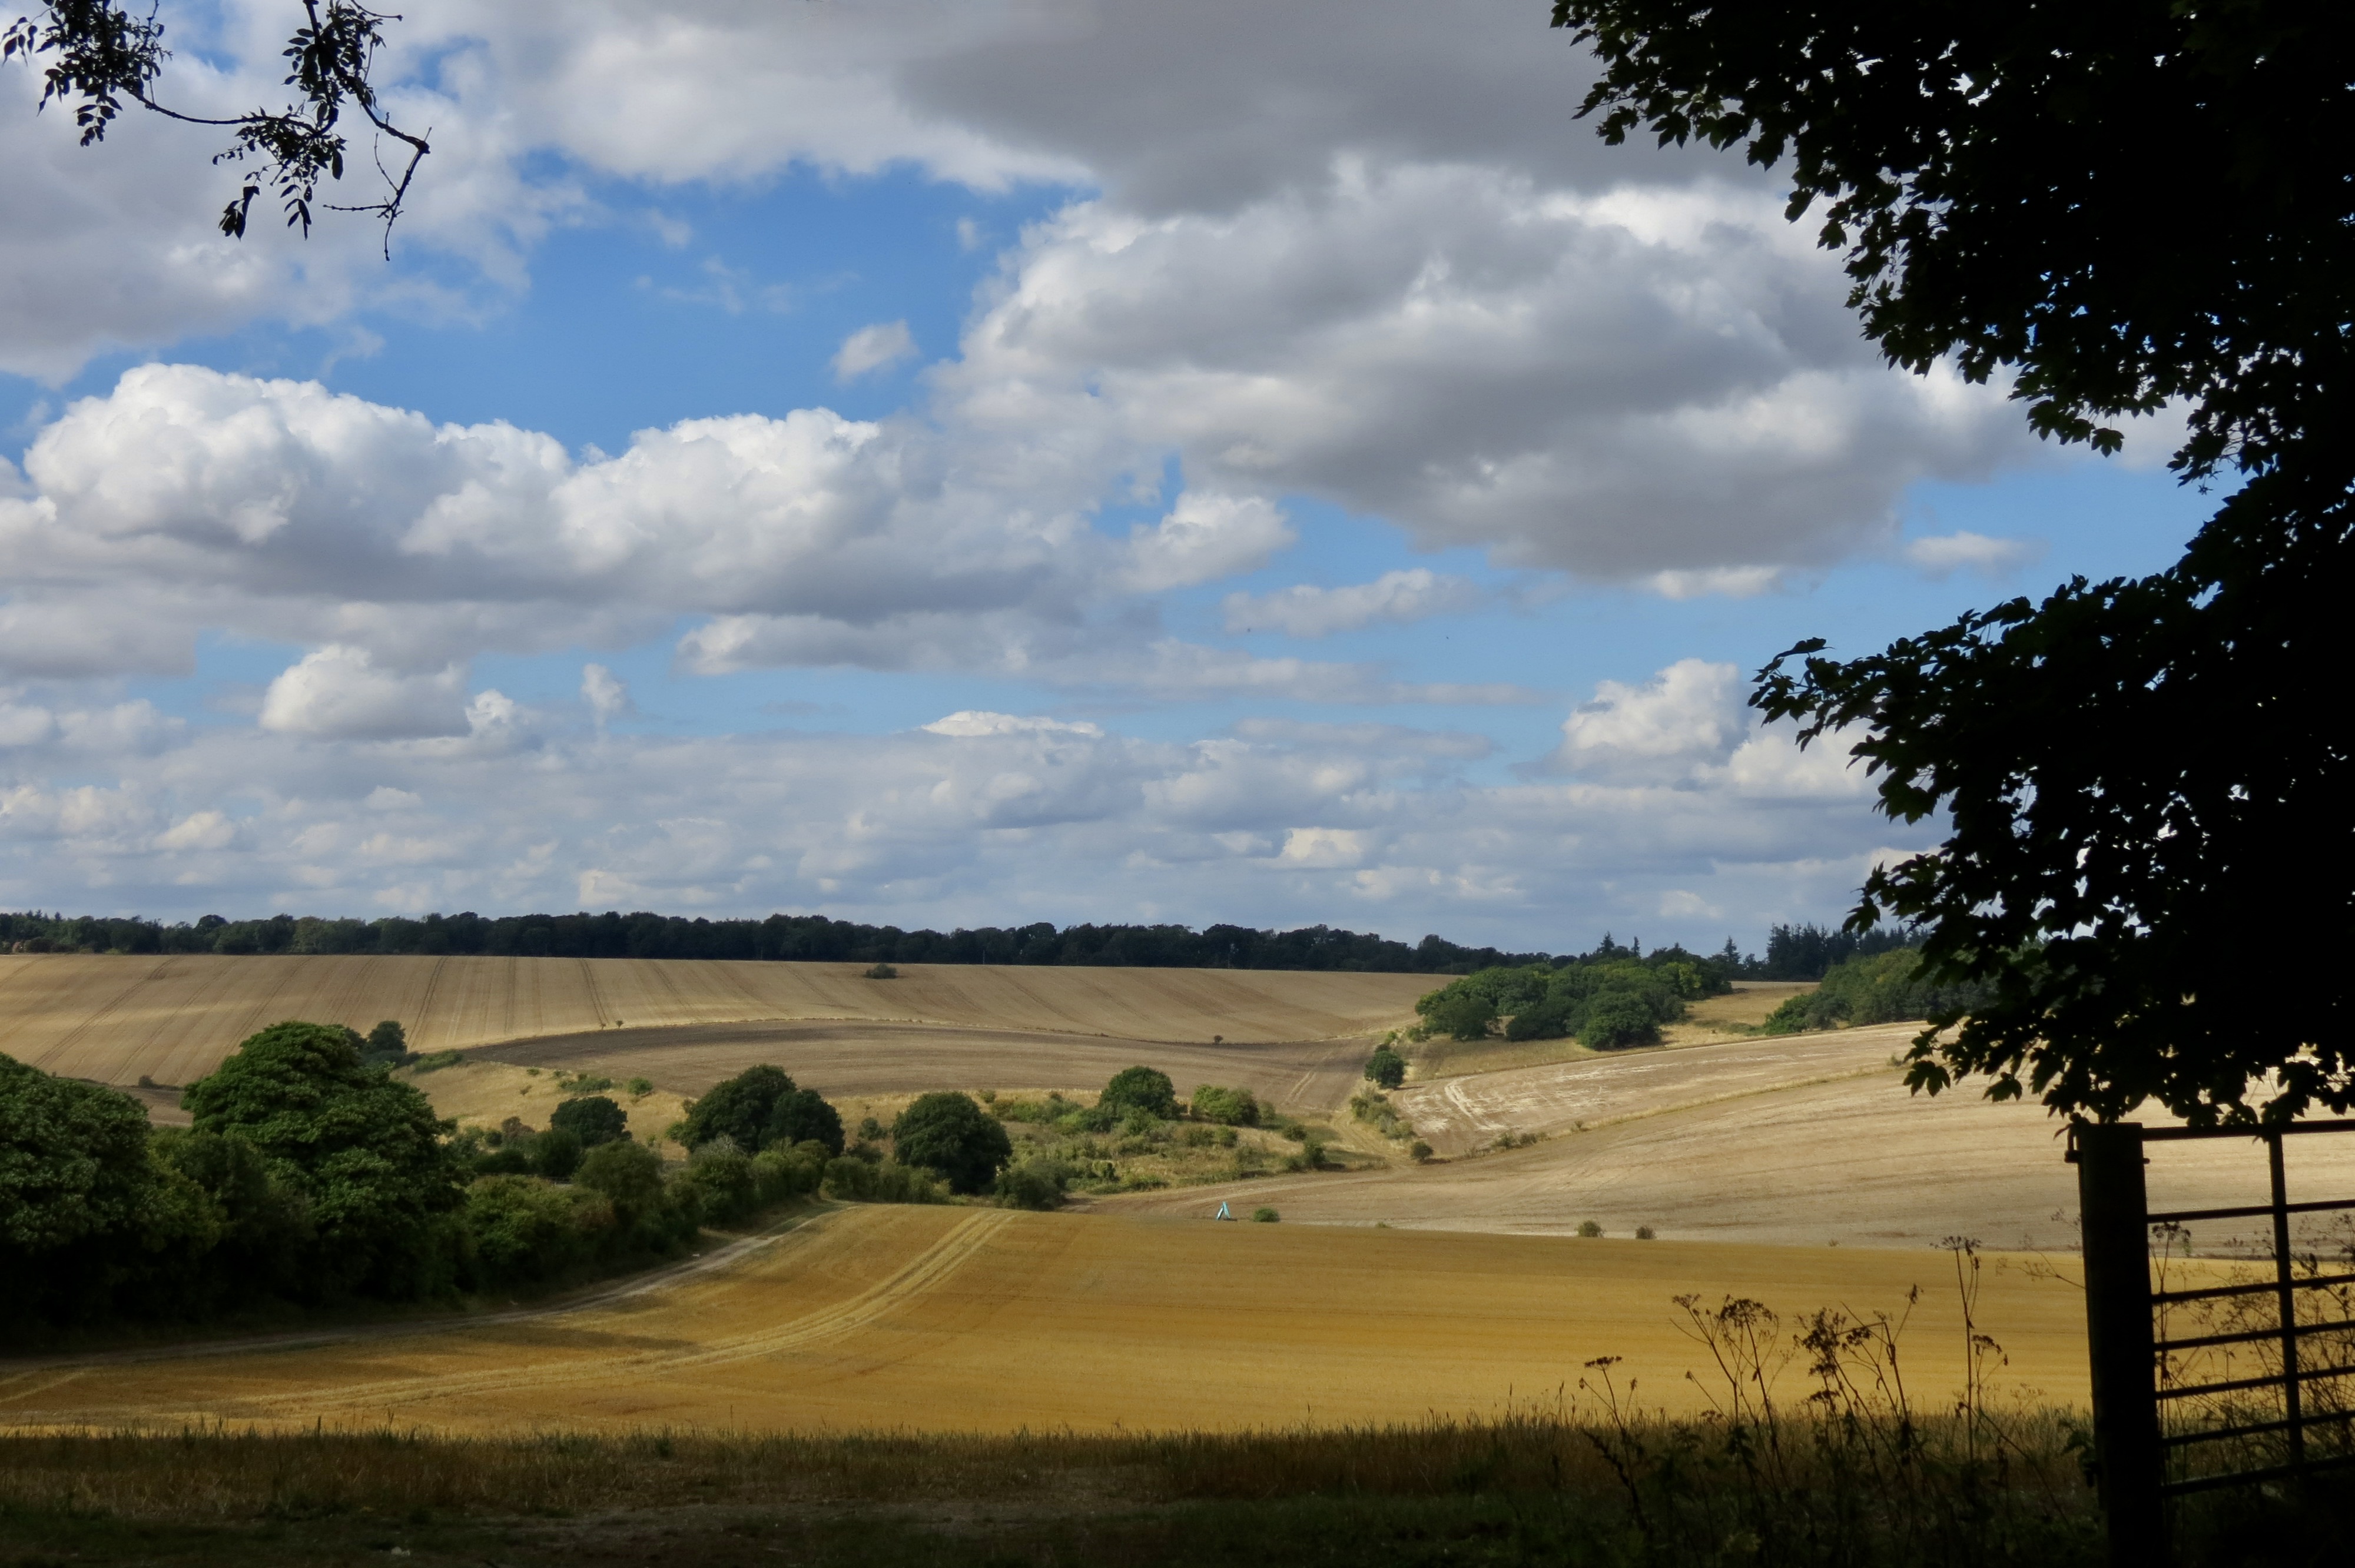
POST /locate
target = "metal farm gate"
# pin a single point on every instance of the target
(2210, 1384)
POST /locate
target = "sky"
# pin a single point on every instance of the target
(969, 463)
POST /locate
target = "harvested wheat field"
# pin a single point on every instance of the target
(116, 1019)
(963, 1320)
(1812, 1139)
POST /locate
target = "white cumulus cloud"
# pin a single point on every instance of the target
(873, 348)
(340, 693)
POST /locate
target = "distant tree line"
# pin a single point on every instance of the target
(780, 937)
(1793, 952)
(1809, 952)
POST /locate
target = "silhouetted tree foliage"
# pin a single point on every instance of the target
(97, 56)
(2126, 208)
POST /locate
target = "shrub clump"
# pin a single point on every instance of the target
(1231, 1107)
(1386, 1068)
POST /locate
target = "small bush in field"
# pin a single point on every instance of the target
(1232, 1108)
(880, 971)
(1419, 1151)
(1589, 1228)
(1265, 1216)
(1035, 1183)
(1646, 1233)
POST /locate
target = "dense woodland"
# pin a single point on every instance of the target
(1793, 952)
(314, 1177)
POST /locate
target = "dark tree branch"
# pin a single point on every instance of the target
(100, 55)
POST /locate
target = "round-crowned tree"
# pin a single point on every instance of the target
(759, 1106)
(363, 1150)
(1619, 1019)
(803, 1116)
(591, 1119)
(950, 1134)
(1387, 1068)
(1142, 1089)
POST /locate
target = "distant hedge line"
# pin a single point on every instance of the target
(780, 937)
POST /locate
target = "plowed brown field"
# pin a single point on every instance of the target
(947, 1318)
(117, 1019)
(847, 1059)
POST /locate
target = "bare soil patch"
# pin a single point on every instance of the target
(851, 1059)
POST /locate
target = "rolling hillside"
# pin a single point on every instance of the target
(119, 1019)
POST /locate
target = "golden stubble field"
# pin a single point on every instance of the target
(963, 1320)
(1805, 1140)
(116, 1019)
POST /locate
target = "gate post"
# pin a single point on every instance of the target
(2113, 1215)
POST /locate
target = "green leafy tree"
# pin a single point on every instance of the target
(1145, 1090)
(556, 1153)
(950, 1135)
(365, 1152)
(522, 1228)
(73, 1160)
(591, 1119)
(1618, 1019)
(1463, 1014)
(629, 1174)
(1386, 1068)
(802, 1116)
(2145, 796)
(387, 1042)
(761, 1106)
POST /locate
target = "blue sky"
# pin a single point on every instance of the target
(1366, 513)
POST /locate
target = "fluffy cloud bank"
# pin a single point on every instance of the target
(1359, 251)
(978, 816)
(399, 550)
